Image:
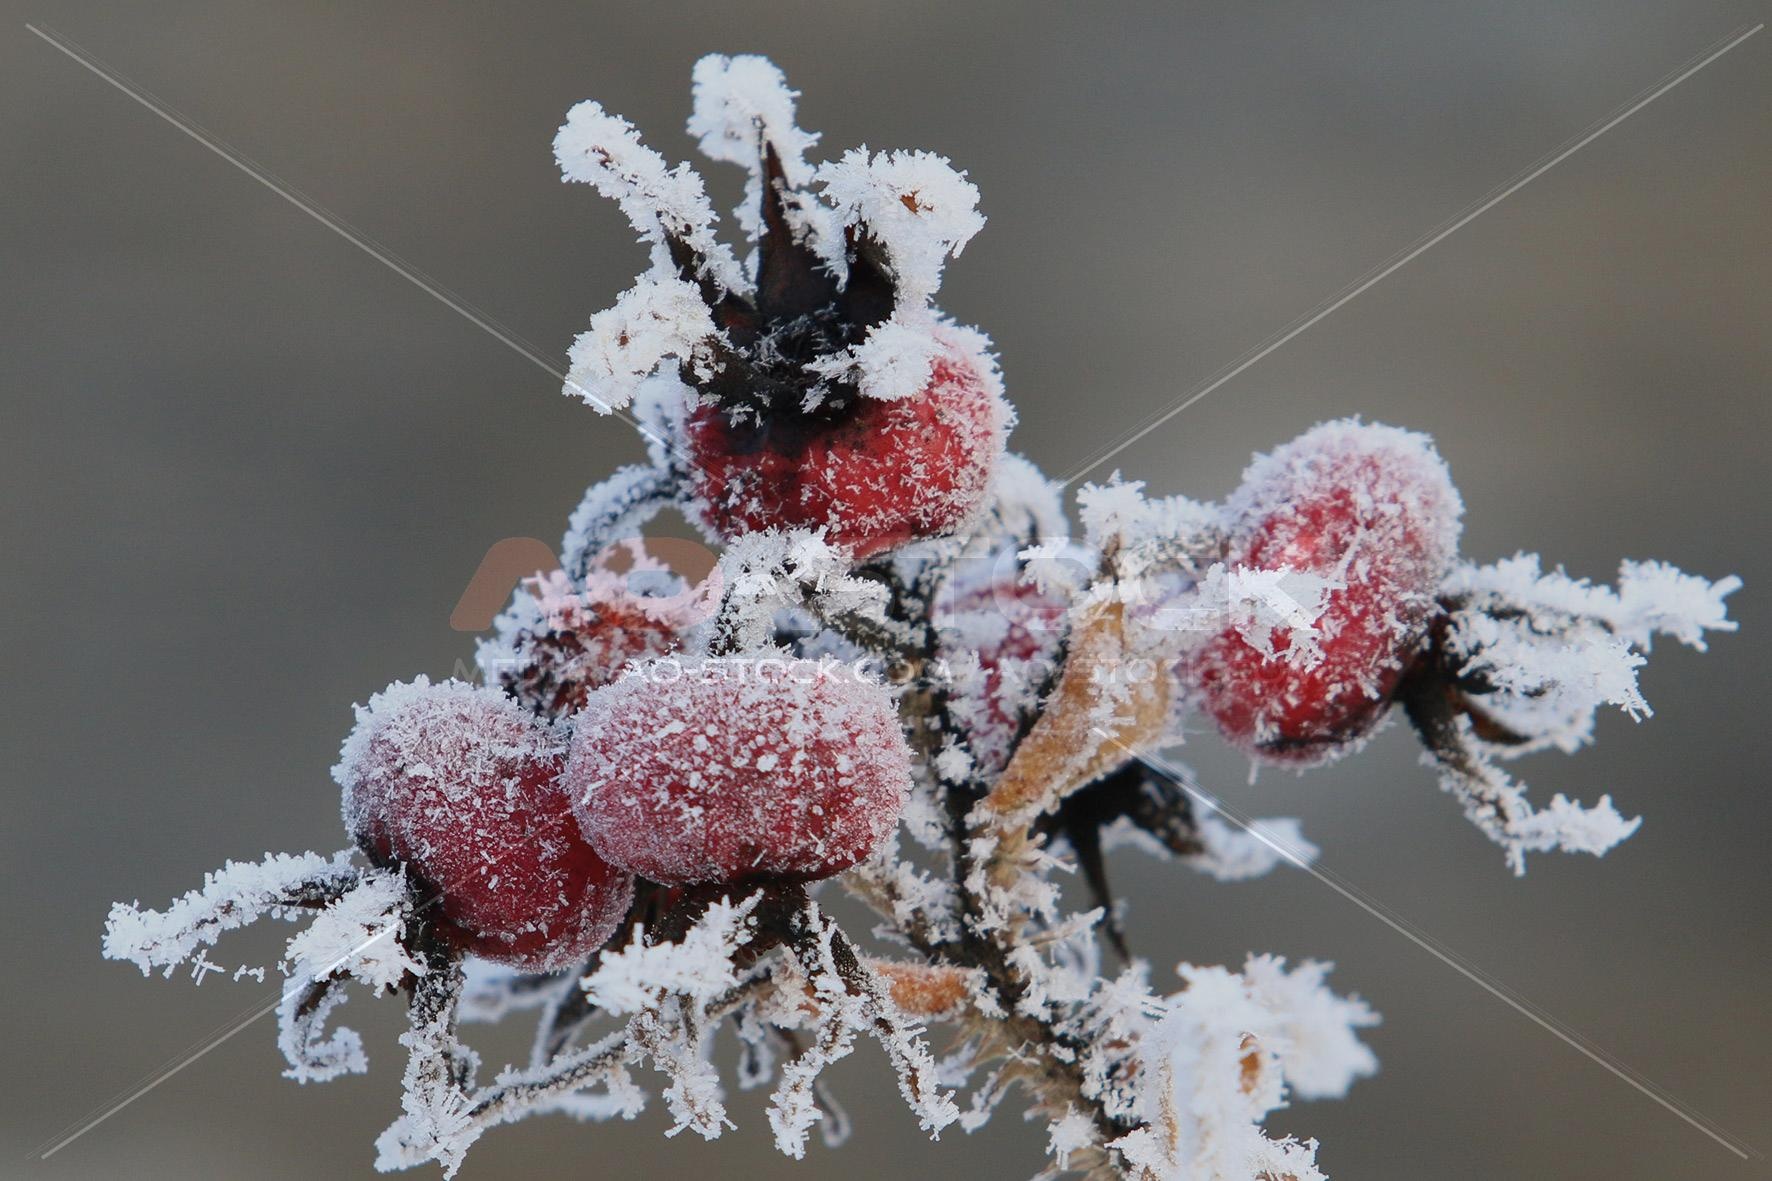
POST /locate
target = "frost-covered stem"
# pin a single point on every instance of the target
(822, 950)
(880, 893)
(612, 510)
(435, 1004)
(230, 898)
(905, 633)
(1044, 1058)
(515, 1093)
(906, 647)
(562, 1075)
(1047, 1060)
(450, 1114)
(564, 1016)
(1040, 1055)
(572, 1009)
(1056, 1074)
(1491, 802)
(437, 1077)
(833, 1124)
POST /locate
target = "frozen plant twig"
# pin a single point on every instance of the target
(232, 897)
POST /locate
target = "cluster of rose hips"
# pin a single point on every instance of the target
(528, 814)
(529, 808)
(531, 835)
(633, 754)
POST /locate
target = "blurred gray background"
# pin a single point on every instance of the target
(247, 470)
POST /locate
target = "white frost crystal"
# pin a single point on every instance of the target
(605, 151)
(658, 318)
(358, 935)
(922, 210)
(1541, 653)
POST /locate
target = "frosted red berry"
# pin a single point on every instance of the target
(1371, 510)
(874, 473)
(1015, 629)
(563, 640)
(462, 786)
(734, 770)
(825, 389)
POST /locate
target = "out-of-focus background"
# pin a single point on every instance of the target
(246, 471)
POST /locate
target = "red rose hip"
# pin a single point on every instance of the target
(726, 770)
(815, 385)
(461, 784)
(560, 639)
(1372, 512)
(1015, 629)
(875, 473)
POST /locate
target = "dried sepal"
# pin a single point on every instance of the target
(1107, 708)
(846, 987)
(745, 114)
(1520, 660)
(660, 318)
(927, 992)
(667, 206)
(315, 1053)
(1493, 801)
(917, 206)
(611, 510)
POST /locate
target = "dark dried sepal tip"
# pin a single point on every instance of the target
(1151, 801)
(1437, 682)
(1468, 687)
(314, 992)
(539, 685)
(870, 295)
(1434, 703)
(799, 312)
(731, 311)
(791, 279)
(1306, 751)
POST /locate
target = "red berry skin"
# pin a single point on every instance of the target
(461, 785)
(1015, 630)
(582, 641)
(738, 770)
(875, 474)
(561, 666)
(1371, 507)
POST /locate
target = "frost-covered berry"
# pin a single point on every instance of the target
(815, 384)
(1014, 628)
(1336, 545)
(874, 473)
(462, 785)
(724, 770)
(559, 640)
